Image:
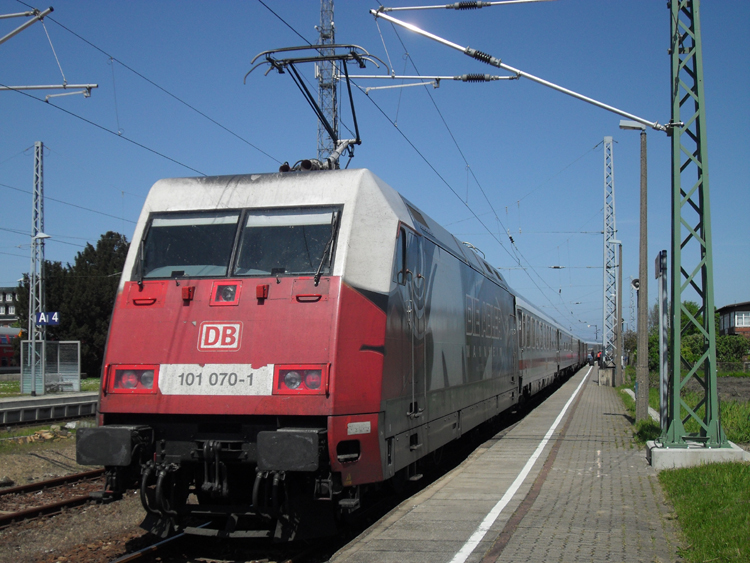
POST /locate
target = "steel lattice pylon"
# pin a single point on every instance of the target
(609, 324)
(326, 75)
(35, 353)
(692, 265)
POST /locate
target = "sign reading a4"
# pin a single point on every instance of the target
(47, 319)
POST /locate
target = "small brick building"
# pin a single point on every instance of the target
(735, 319)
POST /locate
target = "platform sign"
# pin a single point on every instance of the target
(51, 318)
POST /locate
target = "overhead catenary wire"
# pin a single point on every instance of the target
(455, 142)
(167, 92)
(497, 218)
(46, 197)
(103, 128)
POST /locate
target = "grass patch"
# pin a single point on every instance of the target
(13, 388)
(10, 446)
(712, 501)
(713, 507)
(90, 384)
(9, 388)
(735, 415)
(733, 374)
(628, 401)
(646, 430)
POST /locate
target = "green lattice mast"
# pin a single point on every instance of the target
(692, 264)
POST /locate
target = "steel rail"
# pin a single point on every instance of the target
(50, 483)
(52, 508)
(44, 510)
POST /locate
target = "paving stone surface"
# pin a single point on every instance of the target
(600, 500)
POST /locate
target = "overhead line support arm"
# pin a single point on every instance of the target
(493, 61)
(38, 16)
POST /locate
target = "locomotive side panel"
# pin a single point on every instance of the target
(450, 360)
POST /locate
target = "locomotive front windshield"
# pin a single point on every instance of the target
(270, 242)
(286, 242)
(189, 244)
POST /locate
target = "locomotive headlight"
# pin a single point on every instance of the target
(304, 379)
(147, 379)
(292, 379)
(133, 379)
(313, 378)
(129, 380)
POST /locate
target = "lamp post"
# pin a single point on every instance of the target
(641, 371)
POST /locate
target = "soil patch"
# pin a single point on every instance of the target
(729, 388)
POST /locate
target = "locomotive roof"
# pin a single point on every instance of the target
(370, 204)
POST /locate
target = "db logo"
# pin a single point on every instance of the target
(219, 336)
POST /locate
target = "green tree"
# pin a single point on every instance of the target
(731, 348)
(91, 296)
(688, 327)
(653, 318)
(84, 295)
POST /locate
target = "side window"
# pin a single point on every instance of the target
(408, 256)
(413, 254)
(399, 262)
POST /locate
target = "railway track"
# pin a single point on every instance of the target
(47, 497)
(173, 549)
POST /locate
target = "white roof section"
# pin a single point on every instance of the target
(364, 254)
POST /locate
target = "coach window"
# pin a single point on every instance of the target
(529, 339)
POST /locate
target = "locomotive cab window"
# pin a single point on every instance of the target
(287, 241)
(188, 244)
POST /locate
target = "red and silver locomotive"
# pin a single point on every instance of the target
(281, 342)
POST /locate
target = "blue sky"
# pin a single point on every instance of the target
(536, 153)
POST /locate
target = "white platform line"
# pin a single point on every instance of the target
(492, 515)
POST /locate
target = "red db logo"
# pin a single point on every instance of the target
(219, 336)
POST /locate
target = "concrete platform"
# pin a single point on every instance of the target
(48, 407)
(672, 458)
(564, 484)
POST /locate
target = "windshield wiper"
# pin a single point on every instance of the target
(328, 251)
(140, 265)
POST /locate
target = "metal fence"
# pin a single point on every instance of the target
(733, 367)
(56, 367)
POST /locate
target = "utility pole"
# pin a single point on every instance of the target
(611, 288)
(641, 369)
(326, 74)
(619, 379)
(692, 258)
